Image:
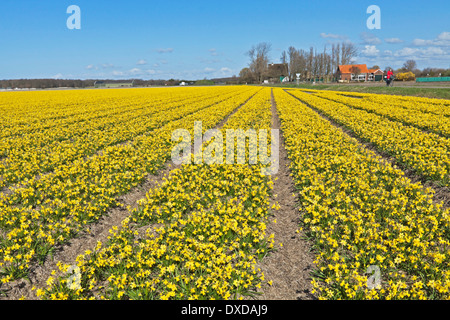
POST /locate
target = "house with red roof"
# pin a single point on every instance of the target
(352, 72)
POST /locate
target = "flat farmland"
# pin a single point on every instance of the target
(92, 205)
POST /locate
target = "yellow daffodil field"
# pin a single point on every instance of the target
(359, 209)
(367, 170)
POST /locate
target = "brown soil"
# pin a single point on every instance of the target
(289, 266)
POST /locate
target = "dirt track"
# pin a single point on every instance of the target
(290, 265)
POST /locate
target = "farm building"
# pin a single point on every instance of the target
(375, 75)
(113, 84)
(352, 72)
(277, 72)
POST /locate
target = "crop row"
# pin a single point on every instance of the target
(425, 153)
(40, 152)
(361, 214)
(422, 104)
(25, 112)
(195, 236)
(54, 207)
(397, 110)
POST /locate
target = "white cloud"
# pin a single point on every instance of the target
(134, 72)
(393, 40)
(427, 54)
(444, 36)
(141, 62)
(118, 73)
(213, 52)
(57, 76)
(433, 51)
(159, 63)
(103, 66)
(369, 38)
(404, 52)
(209, 70)
(164, 50)
(226, 71)
(332, 36)
(442, 40)
(370, 51)
(421, 42)
(209, 61)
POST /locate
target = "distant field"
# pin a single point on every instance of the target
(434, 90)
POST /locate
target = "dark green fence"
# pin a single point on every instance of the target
(433, 79)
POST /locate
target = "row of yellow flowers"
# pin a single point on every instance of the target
(397, 110)
(361, 214)
(431, 105)
(35, 111)
(40, 151)
(55, 207)
(195, 236)
(425, 153)
(422, 104)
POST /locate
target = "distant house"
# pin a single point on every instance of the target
(352, 72)
(375, 75)
(277, 72)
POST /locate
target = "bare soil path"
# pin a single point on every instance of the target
(290, 265)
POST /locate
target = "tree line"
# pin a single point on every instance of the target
(310, 64)
(411, 66)
(76, 83)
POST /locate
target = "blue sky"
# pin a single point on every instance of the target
(207, 39)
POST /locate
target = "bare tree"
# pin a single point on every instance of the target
(410, 65)
(338, 57)
(310, 65)
(259, 59)
(355, 71)
(348, 51)
(283, 57)
(315, 64)
(297, 62)
(328, 66)
(293, 61)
